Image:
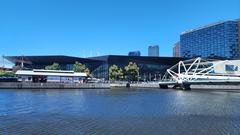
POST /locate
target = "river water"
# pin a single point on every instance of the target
(119, 112)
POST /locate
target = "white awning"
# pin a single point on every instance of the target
(50, 73)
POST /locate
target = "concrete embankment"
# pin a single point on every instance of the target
(135, 85)
(216, 87)
(20, 85)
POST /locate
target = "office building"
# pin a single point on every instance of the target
(176, 49)
(153, 51)
(221, 39)
(134, 53)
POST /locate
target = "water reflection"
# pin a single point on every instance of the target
(119, 112)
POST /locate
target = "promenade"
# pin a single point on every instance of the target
(150, 85)
(20, 85)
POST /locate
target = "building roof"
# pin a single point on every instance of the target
(47, 60)
(50, 73)
(206, 26)
(5, 68)
(139, 59)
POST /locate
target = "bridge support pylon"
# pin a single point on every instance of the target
(163, 86)
(186, 86)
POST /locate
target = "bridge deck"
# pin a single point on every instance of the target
(217, 82)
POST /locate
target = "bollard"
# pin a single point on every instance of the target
(128, 85)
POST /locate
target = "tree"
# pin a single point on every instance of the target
(15, 68)
(87, 71)
(5, 73)
(54, 66)
(115, 73)
(79, 67)
(131, 71)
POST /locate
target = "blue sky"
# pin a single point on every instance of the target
(100, 27)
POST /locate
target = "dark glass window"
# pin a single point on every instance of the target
(231, 68)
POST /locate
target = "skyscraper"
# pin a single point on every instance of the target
(176, 49)
(221, 39)
(153, 50)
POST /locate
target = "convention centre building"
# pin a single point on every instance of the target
(150, 68)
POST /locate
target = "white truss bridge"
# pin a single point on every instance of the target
(199, 71)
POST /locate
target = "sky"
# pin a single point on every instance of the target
(87, 28)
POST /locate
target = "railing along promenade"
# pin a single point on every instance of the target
(108, 85)
(25, 85)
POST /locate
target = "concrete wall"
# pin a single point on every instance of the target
(20, 85)
(221, 67)
(216, 87)
(135, 85)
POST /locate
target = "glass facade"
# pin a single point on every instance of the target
(153, 50)
(215, 40)
(231, 68)
(69, 66)
(134, 53)
(176, 49)
(151, 68)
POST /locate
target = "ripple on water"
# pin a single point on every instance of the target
(187, 125)
(120, 112)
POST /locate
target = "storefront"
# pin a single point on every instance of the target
(57, 76)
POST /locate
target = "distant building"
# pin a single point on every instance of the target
(176, 50)
(153, 51)
(221, 39)
(134, 53)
